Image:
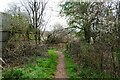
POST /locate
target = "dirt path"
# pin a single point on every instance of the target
(61, 73)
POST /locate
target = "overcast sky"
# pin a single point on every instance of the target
(52, 10)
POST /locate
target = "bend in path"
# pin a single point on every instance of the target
(61, 72)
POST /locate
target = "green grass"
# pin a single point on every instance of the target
(70, 66)
(42, 68)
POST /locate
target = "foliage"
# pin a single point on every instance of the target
(94, 57)
(92, 19)
(78, 17)
(21, 36)
(75, 71)
(98, 24)
(42, 68)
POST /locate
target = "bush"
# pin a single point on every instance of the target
(42, 68)
(96, 57)
(76, 71)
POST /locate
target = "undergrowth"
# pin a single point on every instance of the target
(70, 66)
(42, 68)
(76, 72)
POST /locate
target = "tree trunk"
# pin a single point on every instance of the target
(87, 33)
(39, 37)
(27, 34)
(113, 62)
(36, 38)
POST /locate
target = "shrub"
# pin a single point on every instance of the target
(42, 68)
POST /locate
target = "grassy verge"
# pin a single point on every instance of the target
(70, 66)
(84, 72)
(42, 68)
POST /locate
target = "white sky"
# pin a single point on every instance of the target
(52, 10)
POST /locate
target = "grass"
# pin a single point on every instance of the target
(42, 68)
(84, 72)
(70, 66)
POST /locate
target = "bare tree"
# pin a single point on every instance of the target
(35, 10)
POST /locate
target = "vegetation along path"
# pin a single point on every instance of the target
(60, 73)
